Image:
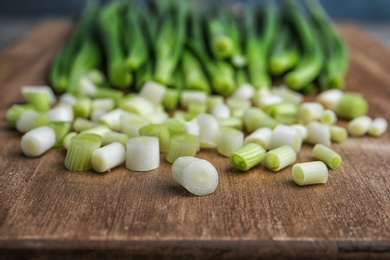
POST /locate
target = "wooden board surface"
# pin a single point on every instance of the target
(48, 212)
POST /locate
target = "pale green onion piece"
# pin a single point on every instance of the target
(236, 103)
(239, 114)
(245, 91)
(378, 127)
(158, 130)
(68, 139)
(229, 140)
(86, 87)
(29, 120)
(212, 101)
(153, 91)
(231, 122)
(318, 133)
(310, 173)
(106, 104)
(188, 96)
(302, 129)
(158, 118)
(67, 99)
(142, 153)
(338, 133)
(279, 158)
(208, 130)
(248, 156)
(284, 112)
(261, 136)
(115, 94)
(83, 107)
(255, 118)
(79, 153)
(131, 123)
(82, 124)
(108, 157)
(263, 101)
(328, 117)
(113, 119)
(37, 141)
(99, 130)
(96, 76)
(40, 97)
(359, 126)
(138, 105)
(61, 129)
(351, 105)
(286, 135)
(60, 113)
(15, 112)
(183, 116)
(175, 126)
(182, 145)
(171, 99)
(192, 127)
(330, 98)
(310, 111)
(221, 111)
(287, 94)
(196, 175)
(96, 114)
(196, 108)
(325, 154)
(111, 137)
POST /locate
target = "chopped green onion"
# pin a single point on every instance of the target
(286, 135)
(323, 153)
(338, 133)
(78, 156)
(96, 76)
(153, 91)
(175, 126)
(138, 105)
(111, 137)
(318, 133)
(229, 140)
(105, 104)
(60, 113)
(196, 175)
(67, 99)
(188, 96)
(261, 136)
(328, 117)
(262, 101)
(196, 108)
(236, 103)
(351, 105)
(68, 139)
(40, 97)
(15, 112)
(302, 129)
(99, 130)
(182, 145)
(208, 130)
(107, 157)
(192, 127)
(359, 126)
(29, 120)
(142, 153)
(112, 119)
(221, 111)
(310, 111)
(131, 123)
(83, 107)
(288, 94)
(248, 156)
(159, 130)
(378, 127)
(245, 91)
(212, 101)
(279, 158)
(310, 173)
(115, 94)
(231, 122)
(37, 141)
(171, 99)
(82, 124)
(284, 113)
(255, 118)
(330, 98)
(61, 129)
(86, 87)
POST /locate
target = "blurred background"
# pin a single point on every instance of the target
(18, 16)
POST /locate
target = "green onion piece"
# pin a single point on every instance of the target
(212, 101)
(131, 123)
(188, 96)
(41, 98)
(326, 155)
(378, 127)
(111, 137)
(310, 173)
(106, 104)
(196, 175)
(318, 133)
(83, 107)
(159, 130)
(183, 116)
(138, 105)
(330, 98)
(229, 140)
(78, 156)
(112, 119)
(359, 126)
(68, 139)
(182, 145)
(153, 91)
(107, 157)
(286, 135)
(244, 91)
(288, 94)
(338, 133)
(279, 158)
(248, 156)
(175, 126)
(37, 141)
(29, 120)
(221, 111)
(15, 112)
(61, 129)
(96, 76)
(109, 93)
(261, 136)
(255, 118)
(310, 111)
(231, 122)
(142, 153)
(208, 130)
(86, 87)
(82, 124)
(171, 99)
(328, 117)
(61, 112)
(351, 105)
(284, 112)
(99, 130)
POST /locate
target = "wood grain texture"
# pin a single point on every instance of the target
(48, 212)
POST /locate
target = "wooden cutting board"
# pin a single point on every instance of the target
(49, 212)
